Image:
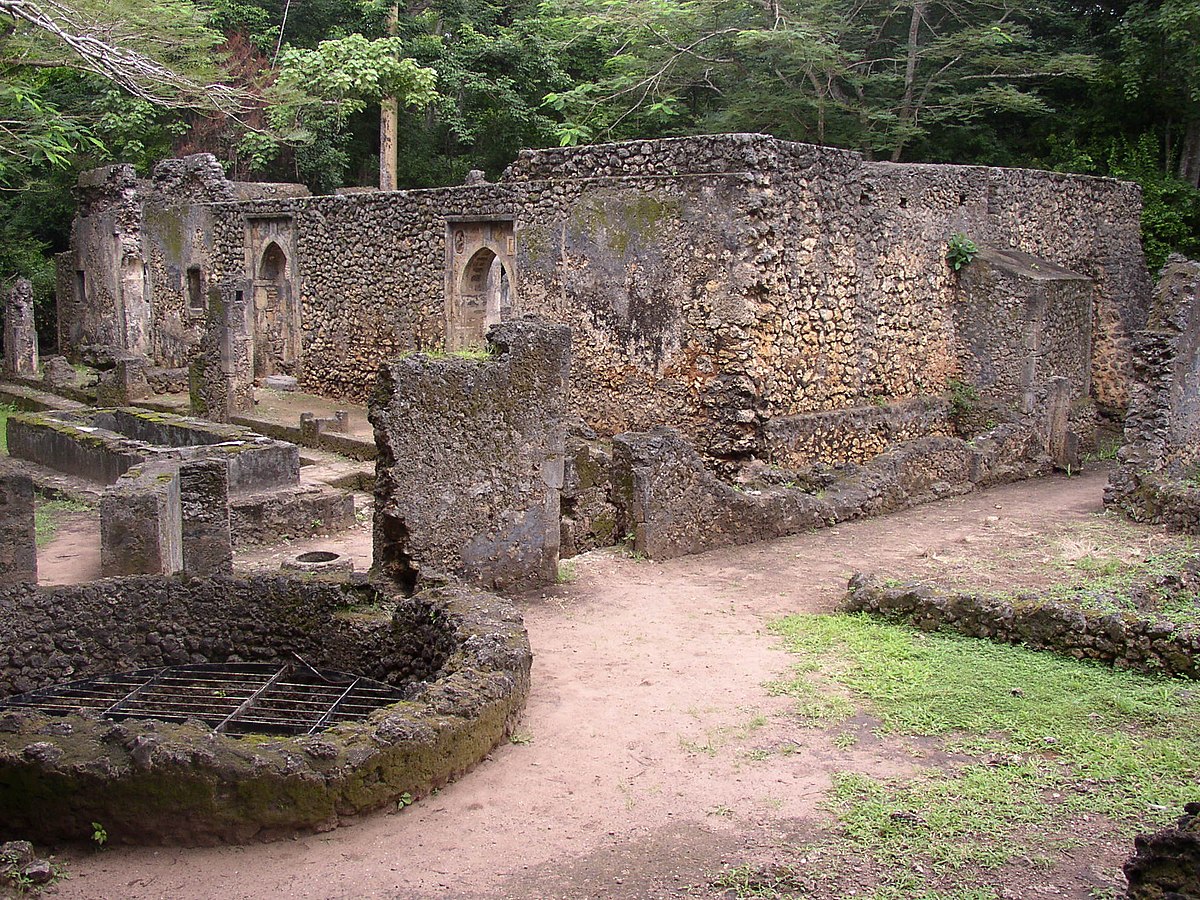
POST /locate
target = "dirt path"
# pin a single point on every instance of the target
(651, 753)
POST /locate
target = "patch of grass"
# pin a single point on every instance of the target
(48, 515)
(566, 573)
(1148, 586)
(6, 410)
(1042, 740)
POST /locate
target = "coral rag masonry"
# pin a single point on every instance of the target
(718, 284)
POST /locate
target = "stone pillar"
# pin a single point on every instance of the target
(470, 472)
(221, 374)
(141, 523)
(204, 504)
(1062, 442)
(20, 335)
(18, 548)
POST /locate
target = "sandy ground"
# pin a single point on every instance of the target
(651, 752)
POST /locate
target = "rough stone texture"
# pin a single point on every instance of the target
(20, 334)
(463, 658)
(103, 444)
(1127, 640)
(470, 464)
(714, 282)
(1166, 865)
(1160, 458)
(220, 374)
(141, 524)
(673, 505)
(852, 435)
(588, 516)
(18, 543)
(123, 384)
(204, 506)
(301, 511)
(57, 372)
(1023, 321)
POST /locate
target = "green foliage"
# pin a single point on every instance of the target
(960, 250)
(964, 399)
(1042, 739)
(5, 411)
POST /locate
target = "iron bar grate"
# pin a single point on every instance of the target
(235, 698)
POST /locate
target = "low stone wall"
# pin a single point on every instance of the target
(673, 505)
(462, 656)
(1130, 641)
(103, 444)
(852, 435)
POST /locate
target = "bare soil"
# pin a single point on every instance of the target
(651, 754)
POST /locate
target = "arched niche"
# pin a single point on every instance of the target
(275, 321)
(479, 284)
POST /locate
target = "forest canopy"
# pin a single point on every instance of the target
(287, 90)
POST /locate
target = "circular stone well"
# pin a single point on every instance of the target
(322, 564)
(458, 658)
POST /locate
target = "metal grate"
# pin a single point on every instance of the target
(236, 698)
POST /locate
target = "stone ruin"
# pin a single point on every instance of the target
(684, 343)
(1157, 478)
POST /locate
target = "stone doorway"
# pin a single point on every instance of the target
(480, 290)
(276, 323)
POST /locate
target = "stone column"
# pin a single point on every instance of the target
(18, 548)
(20, 336)
(221, 373)
(204, 504)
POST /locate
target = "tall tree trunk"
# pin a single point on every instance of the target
(910, 69)
(1189, 154)
(389, 123)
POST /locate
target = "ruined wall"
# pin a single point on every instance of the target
(713, 282)
(470, 464)
(1160, 458)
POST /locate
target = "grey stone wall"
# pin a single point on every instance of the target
(470, 465)
(672, 505)
(18, 539)
(715, 283)
(1160, 458)
(1022, 321)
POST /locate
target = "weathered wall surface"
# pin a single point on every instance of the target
(715, 283)
(1160, 459)
(470, 466)
(1146, 643)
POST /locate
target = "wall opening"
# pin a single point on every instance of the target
(274, 351)
(195, 288)
(480, 287)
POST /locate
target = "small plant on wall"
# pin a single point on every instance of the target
(960, 251)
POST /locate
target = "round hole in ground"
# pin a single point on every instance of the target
(318, 556)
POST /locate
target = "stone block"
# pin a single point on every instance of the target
(204, 509)
(18, 547)
(57, 372)
(141, 522)
(470, 466)
(20, 335)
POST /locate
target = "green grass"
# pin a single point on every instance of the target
(1040, 741)
(48, 515)
(6, 410)
(1150, 586)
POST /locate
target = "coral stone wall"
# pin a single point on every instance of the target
(713, 283)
